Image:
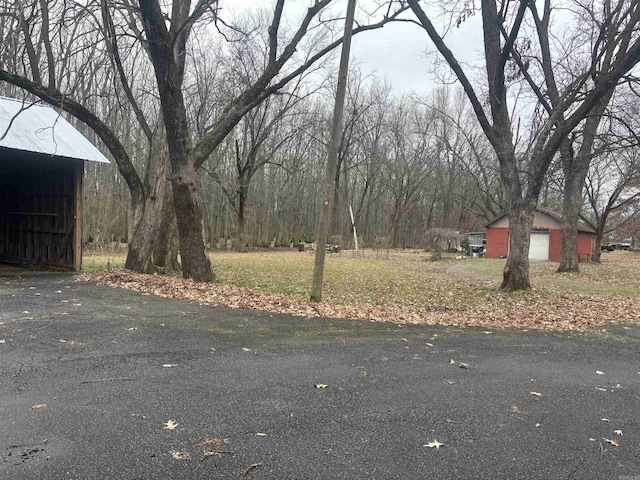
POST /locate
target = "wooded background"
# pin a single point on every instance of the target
(246, 98)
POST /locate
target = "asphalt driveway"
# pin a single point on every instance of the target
(90, 377)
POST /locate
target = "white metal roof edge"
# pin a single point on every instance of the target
(38, 128)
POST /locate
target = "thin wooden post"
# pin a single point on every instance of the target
(77, 214)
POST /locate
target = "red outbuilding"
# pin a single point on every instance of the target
(546, 237)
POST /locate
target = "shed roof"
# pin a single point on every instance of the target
(33, 127)
(582, 226)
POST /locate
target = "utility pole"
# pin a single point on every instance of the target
(332, 161)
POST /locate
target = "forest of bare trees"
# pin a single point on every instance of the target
(218, 121)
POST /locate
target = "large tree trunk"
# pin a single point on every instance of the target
(576, 168)
(516, 271)
(149, 211)
(186, 187)
(139, 257)
(572, 201)
(167, 49)
(165, 252)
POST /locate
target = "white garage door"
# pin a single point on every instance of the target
(539, 246)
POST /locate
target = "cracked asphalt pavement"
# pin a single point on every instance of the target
(90, 376)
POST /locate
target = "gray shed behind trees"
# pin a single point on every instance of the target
(42, 160)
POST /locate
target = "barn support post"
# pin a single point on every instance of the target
(78, 177)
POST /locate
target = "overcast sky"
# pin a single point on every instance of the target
(397, 52)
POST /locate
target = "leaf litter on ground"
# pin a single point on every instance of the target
(407, 290)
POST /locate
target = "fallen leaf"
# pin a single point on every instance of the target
(465, 365)
(618, 432)
(178, 455)
(211, 447)
(547, 309)
(612, 442)
(536, 394)
(170, 425)
(40, 405)
(435, 444)
(247, 470)
(320, 385)
(598, 372)
(169, 365)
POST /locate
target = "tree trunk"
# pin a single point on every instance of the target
(240, 241)
(165, 252)
(144, 234)
(167, 49)
(569, 260)
(243, 191)
(324, 222)
(576, 168)
(599, 234)
(516, 271)
(149, 211)
(395, 229)
(186, 185)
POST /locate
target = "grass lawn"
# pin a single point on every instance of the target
(409, 287)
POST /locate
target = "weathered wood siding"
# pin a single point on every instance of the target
(39, 203)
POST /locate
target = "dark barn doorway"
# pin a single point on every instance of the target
(42, 161)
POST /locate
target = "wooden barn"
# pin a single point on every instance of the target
(546, 237)
(42, 160)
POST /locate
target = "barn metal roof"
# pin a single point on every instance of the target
(38, 128)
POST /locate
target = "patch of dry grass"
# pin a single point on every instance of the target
(98, 261)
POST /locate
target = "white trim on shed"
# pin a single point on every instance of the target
(33, 127)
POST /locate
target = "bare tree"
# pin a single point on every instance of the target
(505, 40)
(613, 194)
(164, 34)
(324, 220)
(259, 137)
